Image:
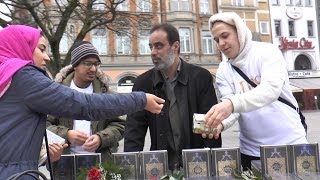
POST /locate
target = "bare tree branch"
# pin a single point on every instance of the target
(54, 18)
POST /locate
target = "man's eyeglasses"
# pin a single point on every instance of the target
(89, 65)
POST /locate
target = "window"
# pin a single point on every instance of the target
(99, 5)
(264, 28)
(237, 2)
(180, 5)
(275, 2)
(123, 6)
(207, 43)
(204, 7)
(310, 28)
(99, 40)
(291, 28)
(64, 44)
(123, 44)
(144, 42)
(185, 40)
(277, 26)
(71, 30)
(62, 2)
(308, 2)
(298, 2)
(290, 2)
(144, 6)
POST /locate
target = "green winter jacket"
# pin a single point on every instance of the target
(110, 132)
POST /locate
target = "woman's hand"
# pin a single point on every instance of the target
(216, 134)
(218, 113)
(154, 103)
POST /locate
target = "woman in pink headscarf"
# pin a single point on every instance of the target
(27, 95)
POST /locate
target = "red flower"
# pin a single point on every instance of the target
(153, 178)
(94, 174)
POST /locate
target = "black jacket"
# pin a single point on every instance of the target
(195, 94)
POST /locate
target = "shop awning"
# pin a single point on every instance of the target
(295, 88)
(306, 83)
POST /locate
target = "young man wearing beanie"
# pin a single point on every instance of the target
(85, 76)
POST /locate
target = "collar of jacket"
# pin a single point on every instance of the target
(182, 76)
(66, 74)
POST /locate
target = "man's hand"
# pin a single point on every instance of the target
(76, 137)
(216, 134)
(55, 151)
(154, 103)
(92, 143)
(218, 113)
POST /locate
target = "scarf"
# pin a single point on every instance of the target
(17, 44)
(243, 32)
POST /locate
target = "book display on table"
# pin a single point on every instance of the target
(64, 168)
(256, 166)
(154, 164)
(84, 162)
(196, 163)
(305, 160)
(225, 161)
(275, 160)
(130, 162)
(310, 176)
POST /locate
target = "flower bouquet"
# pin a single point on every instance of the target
(103, 171)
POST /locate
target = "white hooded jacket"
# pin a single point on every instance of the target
(263, 120)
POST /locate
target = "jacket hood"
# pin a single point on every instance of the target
(243, 32)
(67, 70)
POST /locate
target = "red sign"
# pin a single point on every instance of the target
(285, 44)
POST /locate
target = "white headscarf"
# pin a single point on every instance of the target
(244, 34)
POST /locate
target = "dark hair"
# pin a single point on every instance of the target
(172, 32)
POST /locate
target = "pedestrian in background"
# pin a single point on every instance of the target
(186, 88)
(84, 75)
(27, 95)
(263, 120)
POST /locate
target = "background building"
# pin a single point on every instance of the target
(255, 14)
(125, 57)
(295, 31)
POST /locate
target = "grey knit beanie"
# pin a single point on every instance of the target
(82, 49)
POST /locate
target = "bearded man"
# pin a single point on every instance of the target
(186, 88)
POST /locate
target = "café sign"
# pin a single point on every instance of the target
(300, 74)
(286, 44)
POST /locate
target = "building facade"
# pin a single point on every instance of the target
(124, 58)
(255, 14)
(295, 31)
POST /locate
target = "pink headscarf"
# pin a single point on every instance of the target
(17, 43)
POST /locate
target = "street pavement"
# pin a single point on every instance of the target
(230, 137)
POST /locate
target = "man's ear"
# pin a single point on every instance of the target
(176, 46)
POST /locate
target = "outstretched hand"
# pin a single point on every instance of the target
(216, 134)
(218, 113)
(154, 103)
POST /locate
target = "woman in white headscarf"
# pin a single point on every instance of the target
(263, 120)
